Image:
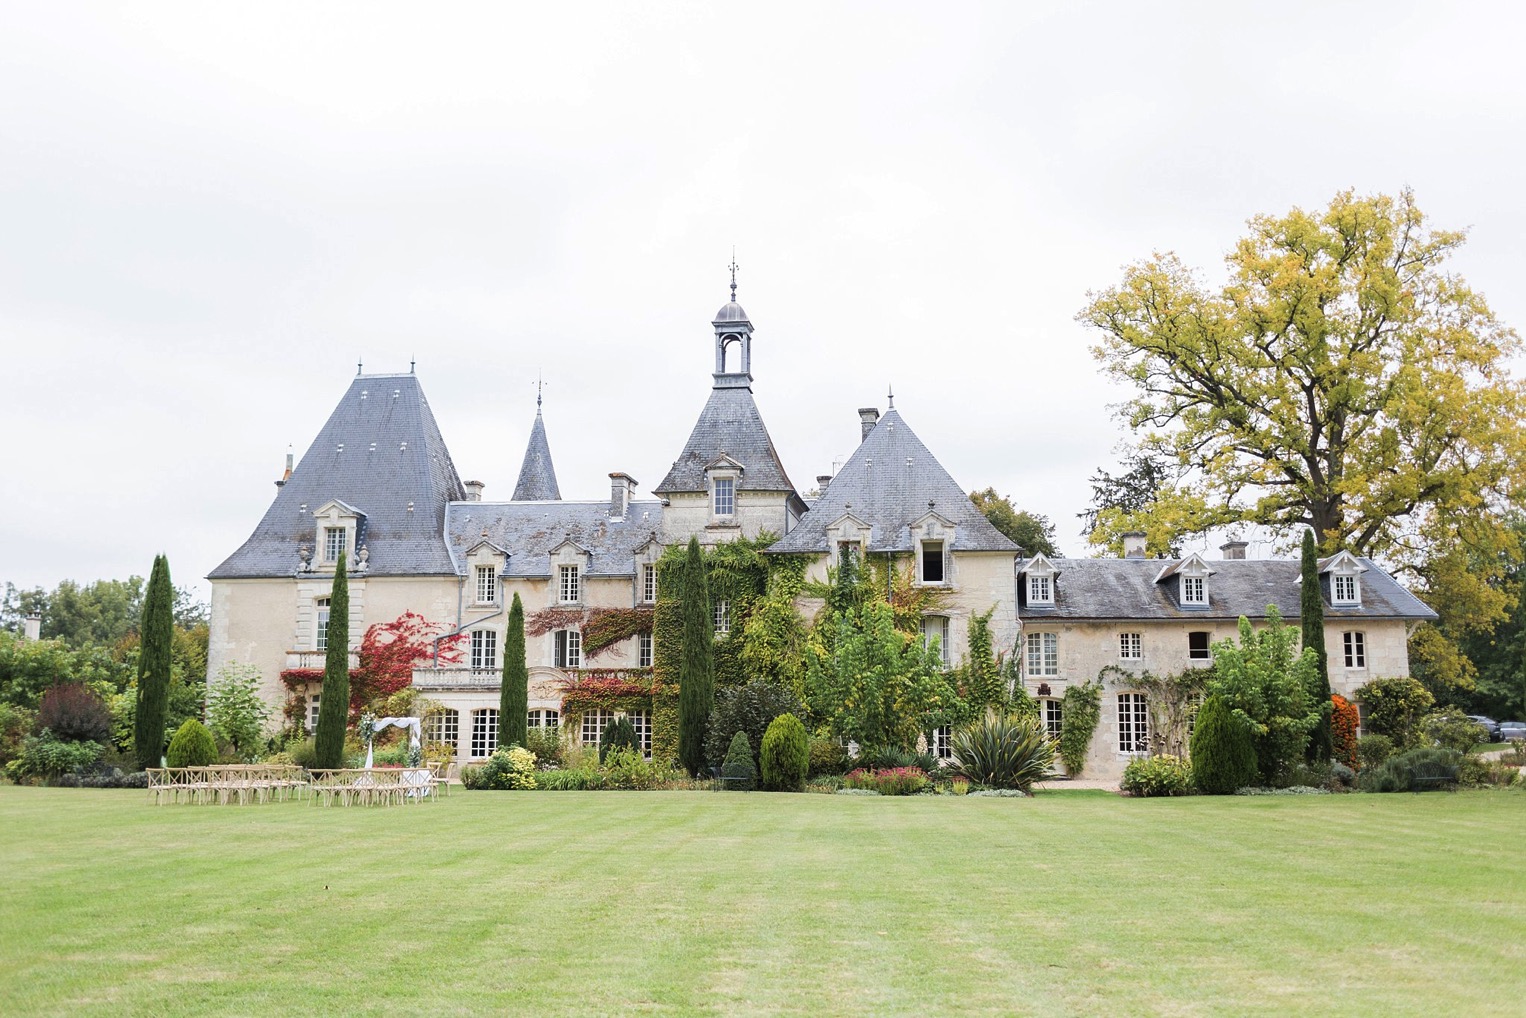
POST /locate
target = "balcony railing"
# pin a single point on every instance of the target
(315, 659)
(453, 676)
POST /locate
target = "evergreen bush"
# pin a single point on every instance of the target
(156, 632)
(334, 702)
(1419, 770)
(192, 746)
(738, 766)
(514, 697)
(785, 755)
(750, 709)
(618, 733)
(828, 757)
(1149, 776)
(1223, 755)
(46, 758)
(1374, 750)
(1394, 709)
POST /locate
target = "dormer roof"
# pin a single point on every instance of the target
(1342, 562)
(1039, 565)
(1192, 565)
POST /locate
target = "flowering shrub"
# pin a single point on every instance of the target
(1344, 719)
(891, 781)
(45, 757)
(506, 770)
(1157, 775)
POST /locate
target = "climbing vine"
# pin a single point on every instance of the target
(1172, 702)
(621, 689)
(602, 627)
(1080, 710)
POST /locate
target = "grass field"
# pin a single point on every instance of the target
(723, 903)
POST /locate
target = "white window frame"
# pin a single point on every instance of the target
(484, 650)
(570, 585)
(943, 742)
(1350, 597)
(723, 496)
(487, 585)
(641, 721)
(443, 726)
(941, 624)
(484, 739)
(1354, 646)
(649, 582)
(591, 731)
(1040, 589)
(568, 648)
(1131, 646)
(722, 617)
(1043, 654)
(1051, 715)
(312, 711)
(1195, 590)
(321, 623)
(548, 718)
(643, 650)
(1207, 654)
(1133, 723)
(335, 543)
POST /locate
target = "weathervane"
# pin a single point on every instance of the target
(358, 365)
(890, 395)
(538, 385)
(733, 267)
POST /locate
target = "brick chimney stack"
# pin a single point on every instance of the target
(868, 417)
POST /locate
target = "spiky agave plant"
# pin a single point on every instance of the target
(1004, 752)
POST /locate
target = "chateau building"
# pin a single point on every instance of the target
(378, 484)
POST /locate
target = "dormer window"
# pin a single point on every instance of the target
(932, 562)
(487, 585)
(1040, 590)
(1344, 590)
(723, 496)
(570, 589)
(1039, 577)
(1194, 590)
(333, 543)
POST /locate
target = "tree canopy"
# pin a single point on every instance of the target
(1031, 532)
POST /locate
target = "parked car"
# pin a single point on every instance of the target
(1491, 726)
(1513, 731)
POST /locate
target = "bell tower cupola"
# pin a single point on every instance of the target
(733, 343)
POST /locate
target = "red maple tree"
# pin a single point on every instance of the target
(389, 651)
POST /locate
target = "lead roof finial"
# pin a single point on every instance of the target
(411, 362)
(890, 397)
(538, 385)
(733, 267)
(359, 364)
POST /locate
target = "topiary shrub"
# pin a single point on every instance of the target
(1222, 751)
(751, 709)
(1374, 750)
(1002, 752)
(1151, 776)
(785, 755)
(737, 768)
(617, 734)
(74, 713)
(192, 746)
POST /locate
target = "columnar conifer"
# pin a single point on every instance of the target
(696, 679)
(334, 702)
(514, 701)
(156, 633)
(1223, 753)
(1311, 618)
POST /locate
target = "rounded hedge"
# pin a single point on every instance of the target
(1223, 755)
(785, 755)
(192, 746)
(738, 765)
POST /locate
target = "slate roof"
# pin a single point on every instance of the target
(729, 425)
(1125, 589)
(887, 483)
(529, 531)
(376, 474)
(537, 475)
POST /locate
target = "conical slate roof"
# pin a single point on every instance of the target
(729, 425)
(381, 453)
(537, 475)
(890, 482)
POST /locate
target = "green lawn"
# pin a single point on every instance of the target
(724, 903)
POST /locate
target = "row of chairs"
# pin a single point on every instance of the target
(226, 783)
(376, 787)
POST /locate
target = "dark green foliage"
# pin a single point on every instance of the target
(1223, 752)
(785, 755)
(1080, 710)
(45, 758)
(1003, 752)
(192, 746)
(738, 767)
(1031, 532)
(514, 699)
(72, 711)
(748, 709)
(1311, 619)
(334, 702)
(617, 734)
(1150, 776)
(696, 679)
(1394, 708)
(847, 590)
(828, 757)
(983, 685)
(156, 631)
(1373, 750)
(1420, 770)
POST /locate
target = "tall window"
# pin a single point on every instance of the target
(722, 617)
(1043, 653)
(1345, 590)
(936, 626)
(545, 718)
(932, 561)
(484, 650)
(593, 725)
(569, 648)
(641, 721)
(943, 742)
(333, 543)
(571, 587)
(1197, 647)
(1356, 649)
(725, 496)
(484, 733)
(1194, 591)
(487, 584)
(321, 642)
(1053, 714)
(444, 726)
(1130, 646)
(1133, 723)
(649, 583)
(1040, 590)
(312, 712)
(643, 650)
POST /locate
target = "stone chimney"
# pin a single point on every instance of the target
(473, 490)
(286, 476)
(822, 480)
(868, 417)
(1134, 544)
(31, 627)
(621, 488)
(1233, 550)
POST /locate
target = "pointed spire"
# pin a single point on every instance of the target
(890, 396)
(537, 475)
(733, 267)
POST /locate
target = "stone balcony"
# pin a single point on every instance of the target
(456, 677)
(315, 659)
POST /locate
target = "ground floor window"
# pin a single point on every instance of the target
(545, 718)
(1133, 723)
(1051, 713)
(484, 733)
(312, 712)
(593, 725)
(943, 742)
(641, 721)
(443, 726)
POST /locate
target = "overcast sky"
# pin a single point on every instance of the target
(209, 212)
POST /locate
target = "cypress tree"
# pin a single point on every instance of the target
(514, 701)
(156, 632)
(696, 678)
(334, 702)
(1223, 754)
(1311, 619)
